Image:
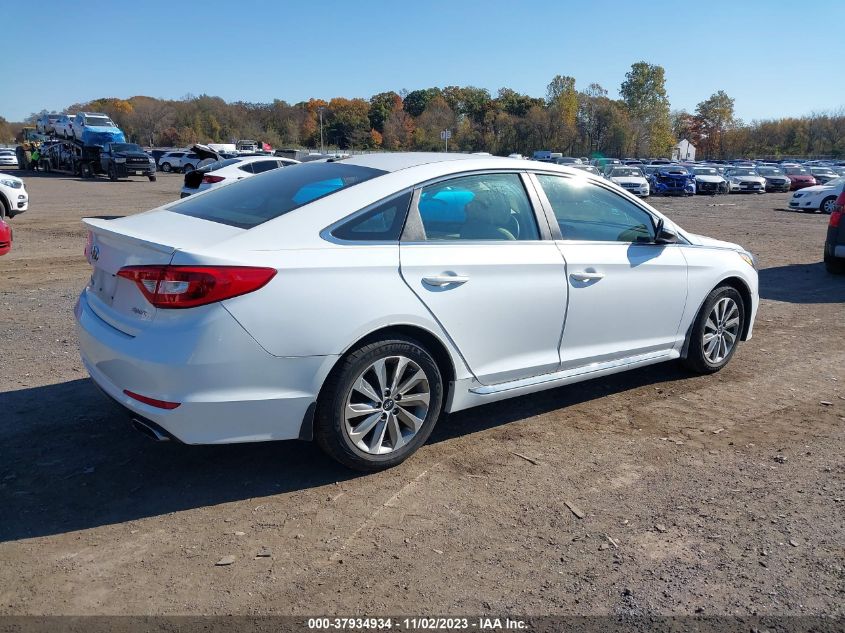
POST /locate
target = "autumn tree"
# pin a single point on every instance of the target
(562, 101)
(715, 115)
(644, 95)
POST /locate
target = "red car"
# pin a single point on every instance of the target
(5, 238)
(800, 177)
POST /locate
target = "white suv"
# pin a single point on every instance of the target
(181, 160)
(13, 196)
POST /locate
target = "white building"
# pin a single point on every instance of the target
(683, 151)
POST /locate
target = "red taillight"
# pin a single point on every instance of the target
(159, 404)
(191, 286)
(836, 217)
(213, 179)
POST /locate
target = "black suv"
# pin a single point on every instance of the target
(834, 246)
(119, 160)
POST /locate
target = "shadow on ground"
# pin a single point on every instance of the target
(69, 459)
(801, 283)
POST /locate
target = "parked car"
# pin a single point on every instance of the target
(45, 124)
(226, 171)
(567, 160)
(799, 177)
(672, 180)
(14, 199)
(590, 169)
(602, 163)
(120, 160)
(629, 178)
(96, 123)
(8, 158)
(237, 315)
(179, 160)
(63, 126)
(818, 197)
(708, 180)
(745, 180)
(5, 237)
(834, 245)
(776, 179)
(822, 173)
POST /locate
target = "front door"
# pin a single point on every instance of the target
(626, 293)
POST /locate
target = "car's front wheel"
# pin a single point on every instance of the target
(166, 168)
(828, 204)
(716, 331)
(380, 404)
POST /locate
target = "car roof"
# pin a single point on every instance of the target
(403, 160)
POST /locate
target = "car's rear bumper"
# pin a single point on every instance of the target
(229, 389)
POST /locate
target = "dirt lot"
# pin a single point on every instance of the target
(719, 495)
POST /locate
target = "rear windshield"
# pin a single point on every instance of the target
(256, 200)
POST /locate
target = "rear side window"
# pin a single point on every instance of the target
(383, 222)
(253, 201)
(259, 167)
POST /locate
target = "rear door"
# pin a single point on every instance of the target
(477, 257)
(626, 293)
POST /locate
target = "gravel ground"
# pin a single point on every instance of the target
(653, 492)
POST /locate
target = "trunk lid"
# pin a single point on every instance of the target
(146, 239)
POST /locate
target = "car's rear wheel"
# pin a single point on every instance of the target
(112, 173)
(716, 331)
(380, 404)
(187, 169)
(166, 168)
(828, 204)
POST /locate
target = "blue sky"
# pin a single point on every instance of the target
(776, 58)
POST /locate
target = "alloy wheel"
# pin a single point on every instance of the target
(721, 330)
(387, 405)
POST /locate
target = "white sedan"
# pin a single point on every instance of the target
(708, 180)
(354, 301)
(8, 158)
(629, 178)
(745, 180)
(818, 197)
(229, 170)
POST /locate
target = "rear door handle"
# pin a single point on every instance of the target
(586, 276)
(444, 280)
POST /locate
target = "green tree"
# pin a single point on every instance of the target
(715, 115)
(416, 101)
(644, 95)
(381, 105)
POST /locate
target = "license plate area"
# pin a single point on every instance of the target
(103, 285)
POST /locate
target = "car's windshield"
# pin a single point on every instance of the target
(743, 172)
(625, 172)
(125, 147)
(705, 171)
(769, 171)
(835, 182)
(98, 120)
(256, 200)
(793, 171)
(822, 170)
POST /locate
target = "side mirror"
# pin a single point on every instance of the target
(662, 235)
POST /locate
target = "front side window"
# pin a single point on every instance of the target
(585, 211)
(483, 207)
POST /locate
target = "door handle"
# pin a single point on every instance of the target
(586, 276)
(444, 280)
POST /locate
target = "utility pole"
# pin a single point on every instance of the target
(320, 110)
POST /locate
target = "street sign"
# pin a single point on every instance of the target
(445, 135)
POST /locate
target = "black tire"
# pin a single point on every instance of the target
(834, 265)
(188, 168)
(152, 178)
(166, 168)
(329, 421)
(826, 205)
(4, 209)
(112, 172)
(696, 360)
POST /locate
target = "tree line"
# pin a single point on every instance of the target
(576, 122)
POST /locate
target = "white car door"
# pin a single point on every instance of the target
(626, 293)
(475, 255)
